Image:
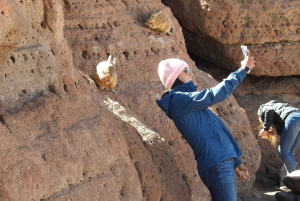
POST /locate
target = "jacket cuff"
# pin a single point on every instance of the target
(237, 162)
(242, 68)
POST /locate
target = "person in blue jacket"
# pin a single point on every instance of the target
(216, 151)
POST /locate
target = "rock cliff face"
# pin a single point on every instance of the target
(63, 138)
(214, 30)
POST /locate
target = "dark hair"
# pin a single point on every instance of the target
(176, 83)
(164, 93)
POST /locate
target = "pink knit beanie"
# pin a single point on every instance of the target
(169, 70)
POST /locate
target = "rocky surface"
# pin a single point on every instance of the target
(214, 30)
(287, 196)
(292, 181)
(65, 139)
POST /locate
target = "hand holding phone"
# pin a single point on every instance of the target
(248, 62)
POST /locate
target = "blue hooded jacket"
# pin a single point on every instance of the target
(209, 138)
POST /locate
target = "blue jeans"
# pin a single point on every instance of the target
(289, 141)
(220, 181)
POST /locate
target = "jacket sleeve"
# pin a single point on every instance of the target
(218, 93)
(237, 162)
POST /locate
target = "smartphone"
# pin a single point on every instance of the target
(244, 50)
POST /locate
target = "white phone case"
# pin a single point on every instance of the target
(244, 50)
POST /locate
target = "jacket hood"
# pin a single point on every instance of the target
(164, 103)
(261, 109)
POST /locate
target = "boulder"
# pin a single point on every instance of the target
(292, 181)
(286, 196)
(63, 138)
(214, 30)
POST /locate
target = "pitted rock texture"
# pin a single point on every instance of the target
(214, 30)
(64, 138)
(150, 46)
(31, 45)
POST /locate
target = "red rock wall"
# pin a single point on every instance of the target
(214, 30)
(63, 138)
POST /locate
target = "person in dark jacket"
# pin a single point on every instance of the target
(281, 119)
(216, 151)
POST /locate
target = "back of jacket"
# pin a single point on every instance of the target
(275, 112)
(210, 140)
